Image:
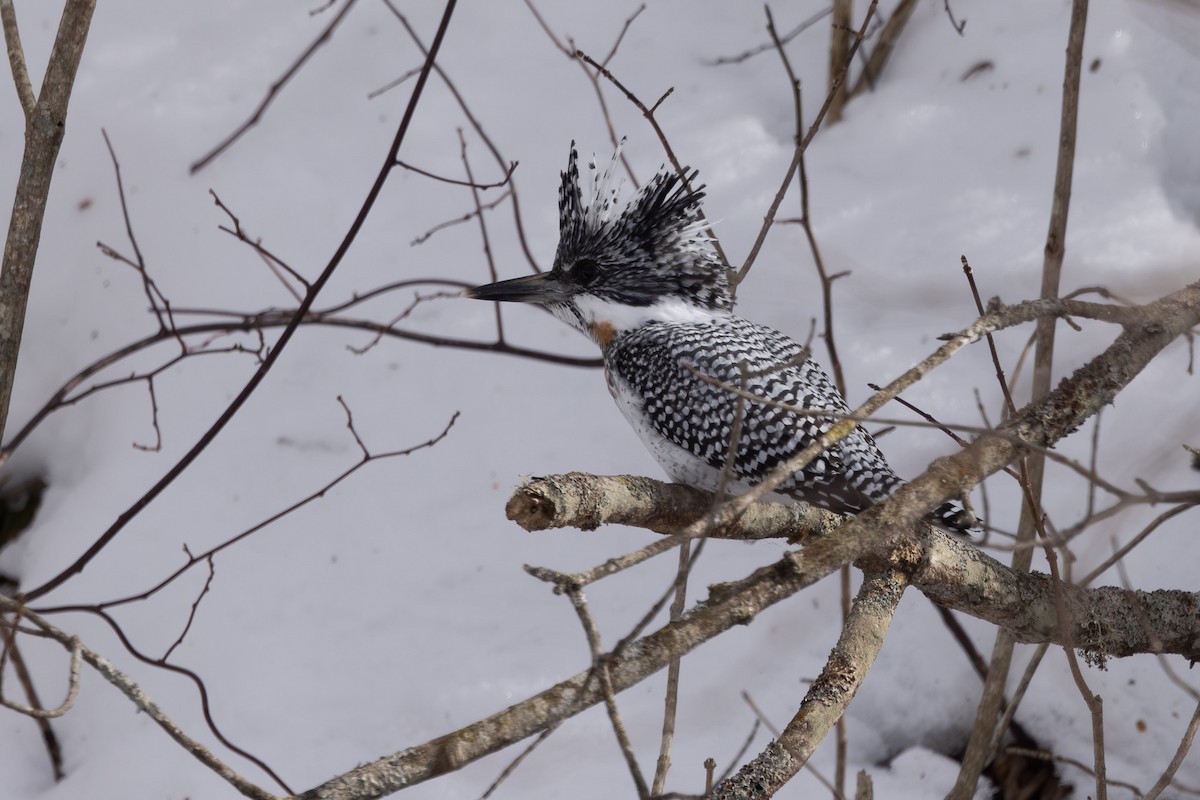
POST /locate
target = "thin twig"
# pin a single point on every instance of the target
(49, 738)
(762, 48)
(202, 557)
(140, 699)
(158, 301)
(516, 762)
(600, 669)
(280, 344)
(274, 90)
(16, 59)
(34, 711)
(241, 235)
(769, 218)
(1032, 468)
(671, 701)
(518, 223)
(455, 182)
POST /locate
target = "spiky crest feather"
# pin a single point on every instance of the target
(652, 248)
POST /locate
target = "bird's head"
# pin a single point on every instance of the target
(620, 267)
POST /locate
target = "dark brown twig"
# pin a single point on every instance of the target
(763, 48)
(769, 218)
(280, 344)
(569, 49)
(158, 302)
(648, 113)
(274, 90)
(49, 738)
(501, 162)
(441, 226)
(256, 244)
(212, 573)
(202, 557)
(455, 182)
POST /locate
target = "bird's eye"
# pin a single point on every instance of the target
(584, 271)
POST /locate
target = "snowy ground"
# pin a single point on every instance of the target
(396, 609)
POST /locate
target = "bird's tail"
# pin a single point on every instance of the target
(955, 517)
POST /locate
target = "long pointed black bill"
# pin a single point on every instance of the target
(540, 288)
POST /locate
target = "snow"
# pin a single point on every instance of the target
(395, 609)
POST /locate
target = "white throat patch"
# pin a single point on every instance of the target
(622, 317)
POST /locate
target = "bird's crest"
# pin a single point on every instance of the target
(653, 246)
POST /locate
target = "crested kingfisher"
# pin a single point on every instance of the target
(644, 282)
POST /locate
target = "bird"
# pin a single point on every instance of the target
(643, 280)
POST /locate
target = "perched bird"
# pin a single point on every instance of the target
(645, 283)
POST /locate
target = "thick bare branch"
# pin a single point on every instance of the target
(727, 605)
(579, 500)
(44, 130)
(861, 639)
(950, 571)
(739, 602)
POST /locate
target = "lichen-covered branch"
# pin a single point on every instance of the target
(728, 604)
(1106, 620)
(1103, 621)
(861, 639)
(579, 500)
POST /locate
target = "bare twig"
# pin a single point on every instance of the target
(958, 26)
(274, 90)
(885, 45)
(569, 49)
(212, 573)
(206, 555)
(827, 280)
(979, 745)
(769, 218)
(604, 677)
(516, 762)
(455, 182)
(501, 162)
(1094, 702)
(158, 301)
(53, 747)
(139, 698)
(1044, 756)
(784, 39)
(34, 711)
(1185, 744)
(424, 237)
(272, 260)
(280, 344)
(671, 701)
(16, 59)
(840, 35)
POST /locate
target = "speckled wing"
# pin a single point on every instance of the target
(687, 422)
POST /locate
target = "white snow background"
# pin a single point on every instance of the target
(395, 609)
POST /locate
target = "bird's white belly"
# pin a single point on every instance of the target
(682, 465)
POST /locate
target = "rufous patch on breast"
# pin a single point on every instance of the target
(603, 333)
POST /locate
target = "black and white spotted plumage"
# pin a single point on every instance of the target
(688, 422)
(643, 280)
